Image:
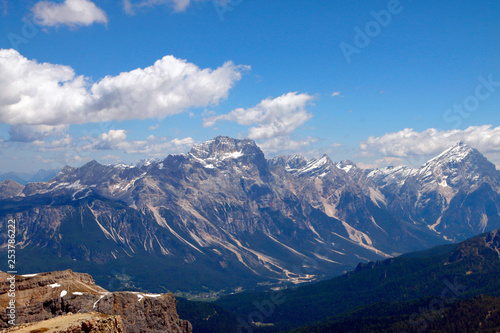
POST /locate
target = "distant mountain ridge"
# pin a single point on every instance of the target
(437, 192)
(23, 178)
(225, 210)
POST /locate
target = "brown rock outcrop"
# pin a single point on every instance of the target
(74, 323)
(48, 295)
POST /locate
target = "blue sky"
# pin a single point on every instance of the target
(377, 82)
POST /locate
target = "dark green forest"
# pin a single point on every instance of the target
(398, 294)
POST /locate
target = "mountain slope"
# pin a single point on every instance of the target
(456, 194)
(222, 217)
(218, 209)
(480, 314)
(443, 274)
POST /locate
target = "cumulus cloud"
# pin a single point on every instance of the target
(381, 163)
(152, 146)
(29, 133)
(72, 13)
(114, 139)
(272, 121)
(130, 7)
(284, 144)
(40, 159)
(33, 93)
(60, 144)
(408, 142)
(272, 117)
(112, 158)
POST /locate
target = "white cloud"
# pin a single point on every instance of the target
(285, 144)
(40, 159)
(381, 163)
(72, 13)
(408, 142)
(158, 146)
(62, 144)
(272, 117)
(114, 139)
(77, 159)
(112, 158)
(29, 133)
(131, 7)
(153, 145)
(33, 93)
(272, 122)
(337, 94)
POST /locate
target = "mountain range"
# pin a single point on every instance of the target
(23, 178)
(223, 217)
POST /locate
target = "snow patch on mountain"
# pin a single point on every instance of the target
(344, 167)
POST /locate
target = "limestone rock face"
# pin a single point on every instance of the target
(9, 189)
(144, 312)
(52, 295)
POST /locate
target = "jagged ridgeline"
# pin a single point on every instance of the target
(223, 216)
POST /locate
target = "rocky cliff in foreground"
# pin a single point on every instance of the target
(74, 323)
(52, 295)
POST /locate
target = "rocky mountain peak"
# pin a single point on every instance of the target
(89, 173)
(346, 165)
(143, 162)
(456, 153)
(315, 167)
(457, 164)
(223, 152)
(91, 164)
(224, 196)
(66, 170)
(223, 147)
(290, 162)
